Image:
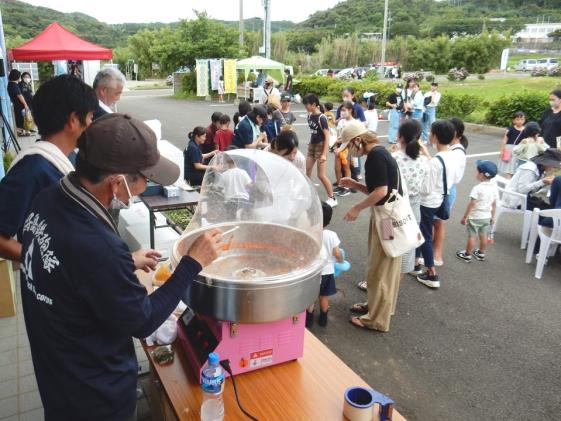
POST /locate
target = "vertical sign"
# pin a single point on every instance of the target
(230, 76)
(202, 77)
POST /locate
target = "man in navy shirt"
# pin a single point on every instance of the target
(62, 108)
(81, 298)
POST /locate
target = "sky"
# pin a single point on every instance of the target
(129, 11)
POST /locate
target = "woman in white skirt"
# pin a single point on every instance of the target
(512, 137)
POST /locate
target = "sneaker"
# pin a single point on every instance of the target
(343, 192)
(430, 281)
(418, 270)
(336, 184)
(439, 263)
(462, 255)
(331, 201)
(479, 255)
(337, 189)
(322, 321)
(309, 319)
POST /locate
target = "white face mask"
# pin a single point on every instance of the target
(554, 103)
(118, 204)
(344, 114)
(26, 80)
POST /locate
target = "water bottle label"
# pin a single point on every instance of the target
(213, 384)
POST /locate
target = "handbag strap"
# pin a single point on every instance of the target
(445, 185)
(518, 137)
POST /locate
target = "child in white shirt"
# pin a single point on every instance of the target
(330, 244)
(371, 116)
(480, 212)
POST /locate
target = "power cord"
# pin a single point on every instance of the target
(226, 365)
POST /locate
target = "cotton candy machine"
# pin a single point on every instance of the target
(248, 304)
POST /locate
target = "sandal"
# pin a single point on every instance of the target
(355, 321)
(361, 308)
(362, 285)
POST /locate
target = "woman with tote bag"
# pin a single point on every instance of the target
(385, 196)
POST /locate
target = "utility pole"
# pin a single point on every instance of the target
(384, 38)
(241, 25)
(267, 28)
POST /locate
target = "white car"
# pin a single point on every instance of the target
(547, 63)
(526, 65)
(345, 73)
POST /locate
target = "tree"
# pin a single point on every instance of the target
(555, 35)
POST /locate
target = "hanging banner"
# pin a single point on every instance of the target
(230, 76)
(215, 73)
(202, 77)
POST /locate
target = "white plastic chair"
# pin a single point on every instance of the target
(550, 238)
(502, 209)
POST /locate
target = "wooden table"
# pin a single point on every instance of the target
(310, 388)
(159, 203)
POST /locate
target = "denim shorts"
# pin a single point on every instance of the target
(327, 287)
(477, 227)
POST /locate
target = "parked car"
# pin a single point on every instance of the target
(345, 73)
(526, 65)
(547, 63)
(321, 72)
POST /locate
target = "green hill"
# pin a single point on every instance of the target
(429, 17)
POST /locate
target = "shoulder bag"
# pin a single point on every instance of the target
(506, 154)
(397, 227)
(443, 211)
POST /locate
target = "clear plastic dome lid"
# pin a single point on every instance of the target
(268, 211)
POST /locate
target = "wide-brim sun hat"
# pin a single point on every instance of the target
(350, 131)
(549, 158)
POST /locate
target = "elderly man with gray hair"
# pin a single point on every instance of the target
(108, 85)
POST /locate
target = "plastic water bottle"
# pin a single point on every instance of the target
(212, 408)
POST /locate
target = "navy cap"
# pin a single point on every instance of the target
(487, 168)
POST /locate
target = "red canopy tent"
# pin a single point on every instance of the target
(58, 43)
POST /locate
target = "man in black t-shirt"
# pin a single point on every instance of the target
(288, 84)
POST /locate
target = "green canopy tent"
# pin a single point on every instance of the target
(271, 67)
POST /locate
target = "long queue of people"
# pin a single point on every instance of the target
(428, 182)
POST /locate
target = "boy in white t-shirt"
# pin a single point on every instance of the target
(480, 212)
(330, 244)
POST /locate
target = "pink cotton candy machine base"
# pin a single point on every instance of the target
(249, 347)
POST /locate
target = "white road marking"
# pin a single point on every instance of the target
(476, 155)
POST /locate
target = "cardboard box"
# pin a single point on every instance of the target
(7, 289)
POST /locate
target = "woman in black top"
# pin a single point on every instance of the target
(551, 120)
(18, 101)
(381, 177)
(26, 88)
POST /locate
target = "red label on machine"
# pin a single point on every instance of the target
(261, 358)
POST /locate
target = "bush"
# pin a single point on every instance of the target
(457, 105)
(418, 76)
(539, 73)
(430, 78)
(501, 111)
(455, 74)
(555, 72)
(481, 76)
(189, 83)
(331, 88)
(371, 75)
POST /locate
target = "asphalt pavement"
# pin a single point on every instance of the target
(486, 345)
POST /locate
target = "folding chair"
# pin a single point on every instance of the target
(550, 238)
(502, 209)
